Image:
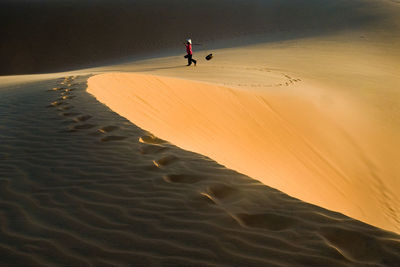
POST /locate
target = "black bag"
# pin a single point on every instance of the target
(210, 56)
(186, 56)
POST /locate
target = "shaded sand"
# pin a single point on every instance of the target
(80, 187)
(46, 36)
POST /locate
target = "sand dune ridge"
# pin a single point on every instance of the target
(68, 198)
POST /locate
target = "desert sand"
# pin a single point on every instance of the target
(280, 151)
(83, 186)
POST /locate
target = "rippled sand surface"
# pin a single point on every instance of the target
(82, 186)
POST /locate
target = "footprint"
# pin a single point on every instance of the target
(202, 200)
(112, 138)
(82, 127)
(150, 149)
(270, 221)
(66, 93)
(57, 89)
(182, 178)
(82, 118)
(63, 108)
(55, 104)
(65, 97)
(167, 160)
(70, 114)
(149, 139)
(352, 244)
(221, 191)
(107, 129)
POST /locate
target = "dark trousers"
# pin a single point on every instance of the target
(190, 60)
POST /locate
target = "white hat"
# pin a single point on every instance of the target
(189, 41)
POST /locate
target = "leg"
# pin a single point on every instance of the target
(189, 60)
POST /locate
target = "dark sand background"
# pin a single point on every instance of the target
(49, 36)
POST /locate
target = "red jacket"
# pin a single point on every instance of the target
(189, 49)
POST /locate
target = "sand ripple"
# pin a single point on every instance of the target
(88, 188)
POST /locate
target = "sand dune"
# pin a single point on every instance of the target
(301, 97)
(79, 186)
(320, 111)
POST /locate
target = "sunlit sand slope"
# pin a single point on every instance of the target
(305, 152)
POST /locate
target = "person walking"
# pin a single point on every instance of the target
(189, 52)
